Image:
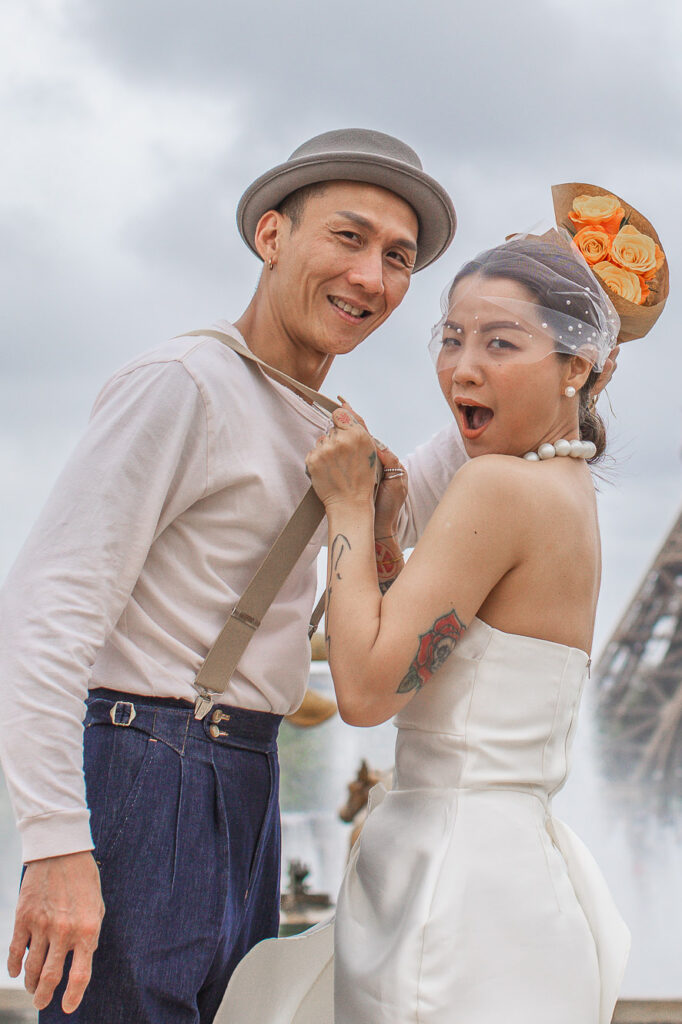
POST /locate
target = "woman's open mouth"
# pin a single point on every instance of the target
(474, 417)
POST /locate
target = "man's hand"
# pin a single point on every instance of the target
(391, 495)
(60, 910)
(608, 371)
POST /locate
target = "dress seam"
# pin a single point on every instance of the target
(472, 687)
(550, 733)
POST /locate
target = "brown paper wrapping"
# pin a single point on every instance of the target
(635, 321)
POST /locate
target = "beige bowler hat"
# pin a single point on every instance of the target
(356, 154)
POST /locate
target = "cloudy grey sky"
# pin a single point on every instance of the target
(130, 130)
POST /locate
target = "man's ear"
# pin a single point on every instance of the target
(269, 233)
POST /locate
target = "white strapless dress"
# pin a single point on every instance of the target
(465, 900)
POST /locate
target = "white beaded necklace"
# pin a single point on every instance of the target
(575, 449)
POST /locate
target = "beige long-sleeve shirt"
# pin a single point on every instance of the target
(192, 462)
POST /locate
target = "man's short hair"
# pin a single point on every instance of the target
(293, 205)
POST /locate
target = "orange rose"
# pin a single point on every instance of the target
(636, 252)
(623, 282)
(604, 210)
(594, 243)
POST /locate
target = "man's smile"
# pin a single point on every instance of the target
(351, 313)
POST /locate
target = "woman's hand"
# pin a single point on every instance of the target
(392, 491)
(343, 464)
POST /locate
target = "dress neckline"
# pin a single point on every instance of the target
(537, 639)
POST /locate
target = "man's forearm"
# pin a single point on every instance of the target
(389, 559)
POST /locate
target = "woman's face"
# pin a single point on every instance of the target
(499, 372)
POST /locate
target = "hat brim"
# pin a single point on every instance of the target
(429, 200)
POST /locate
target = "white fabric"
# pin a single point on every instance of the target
(191, 464)
(465, 899)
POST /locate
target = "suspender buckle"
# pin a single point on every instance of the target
(202, 705)
(243, 617)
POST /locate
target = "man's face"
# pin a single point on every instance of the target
(344, 268)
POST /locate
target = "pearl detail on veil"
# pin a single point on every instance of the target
(575, 449)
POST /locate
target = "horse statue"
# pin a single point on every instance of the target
(355, 808)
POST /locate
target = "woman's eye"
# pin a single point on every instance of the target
(451, 341)
(501, 343)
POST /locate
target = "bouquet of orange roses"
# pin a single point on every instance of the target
(623, 250)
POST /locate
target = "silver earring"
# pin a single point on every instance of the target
(569, 391)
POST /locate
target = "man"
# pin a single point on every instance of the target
(192, 462)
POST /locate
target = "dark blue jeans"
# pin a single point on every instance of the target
(185, 821)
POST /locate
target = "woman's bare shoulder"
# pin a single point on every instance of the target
(492, 476)
(505, 488)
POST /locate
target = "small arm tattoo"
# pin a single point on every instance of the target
(435, 647)
(340, 545)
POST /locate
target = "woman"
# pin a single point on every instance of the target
(465, 900)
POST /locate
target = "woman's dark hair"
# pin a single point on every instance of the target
(538, 271)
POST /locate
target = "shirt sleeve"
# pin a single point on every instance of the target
(430, 469)
(146, 445)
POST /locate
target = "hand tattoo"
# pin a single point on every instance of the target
(435, 647)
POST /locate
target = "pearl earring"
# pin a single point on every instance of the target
(569, 391)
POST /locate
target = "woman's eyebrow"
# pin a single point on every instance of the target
(504, 325)
(497, 325)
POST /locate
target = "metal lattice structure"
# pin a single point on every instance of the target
(639, 675)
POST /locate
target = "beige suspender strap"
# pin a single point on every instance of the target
(223, 658)
(316, 397)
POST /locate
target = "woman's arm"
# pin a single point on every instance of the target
(383, 648)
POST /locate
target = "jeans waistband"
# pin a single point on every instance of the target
(173, 720)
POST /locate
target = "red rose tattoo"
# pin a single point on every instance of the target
(434, 649)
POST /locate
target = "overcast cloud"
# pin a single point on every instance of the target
(133, 128)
